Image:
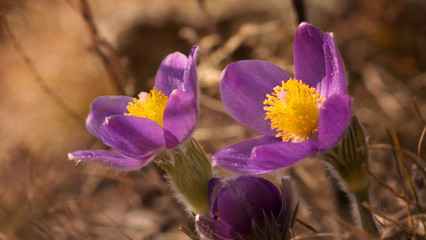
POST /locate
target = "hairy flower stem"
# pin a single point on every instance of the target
(360, 194)
(367, 220)
(343, 201)
(189, 171)
(349, 158)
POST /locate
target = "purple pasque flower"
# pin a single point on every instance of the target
(237, 203)
(296, 117)
(139, 127)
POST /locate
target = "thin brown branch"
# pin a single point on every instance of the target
(419, 146)
(318, 236)
(38, 226)
(114, 223)
(111, 60)
(401, 180)
(244, 32)
(376, 211)
(383, 184)
(346, 224)
(409, 180)
(87, 15)
(300, 9)
(416, 160)
(36, 75)
(307, 226)
(4, 4)
(416, 107)
(210, 21)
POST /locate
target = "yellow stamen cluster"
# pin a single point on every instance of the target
(150, 106)
(293, 110)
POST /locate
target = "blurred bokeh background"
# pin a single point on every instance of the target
(57, 56)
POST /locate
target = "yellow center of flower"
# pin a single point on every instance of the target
(293, 110)
(150, 106)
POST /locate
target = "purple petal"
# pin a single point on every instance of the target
(214, 185)
(111, 159)
(272, 157)
(309, 65)
(334, 118)
(190, 75)
(272, 189)
(335, 80)
(244, 86)
(244, 199)
(211, 228)
(103, 107)
(235, 157)
(170, 73)
(275, 193)
(132, 135)
(180, 117)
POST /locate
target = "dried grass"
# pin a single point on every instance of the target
(58, 56)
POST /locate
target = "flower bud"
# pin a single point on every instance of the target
(247, 208)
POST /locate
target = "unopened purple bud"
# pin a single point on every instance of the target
(244, 207)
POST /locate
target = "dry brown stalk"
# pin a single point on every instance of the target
(36, 75)
(114, 65)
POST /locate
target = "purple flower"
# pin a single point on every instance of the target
(237, 203)
(139, 127)
(296, 117)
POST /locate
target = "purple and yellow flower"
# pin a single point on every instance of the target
(296, 116)
(237, 204)
(138, 128)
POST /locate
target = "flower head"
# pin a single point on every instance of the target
(138, 128)
(293, 110)
(245, 206)
(297, 116)
(150, 106)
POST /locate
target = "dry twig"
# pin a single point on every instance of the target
(419, 146)
(36, 75)
(113, 63)
(383, 184)
(299, 7)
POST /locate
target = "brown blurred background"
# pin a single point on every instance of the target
(53, 63)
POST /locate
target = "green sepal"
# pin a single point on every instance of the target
(350, 156)
(189, 171)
